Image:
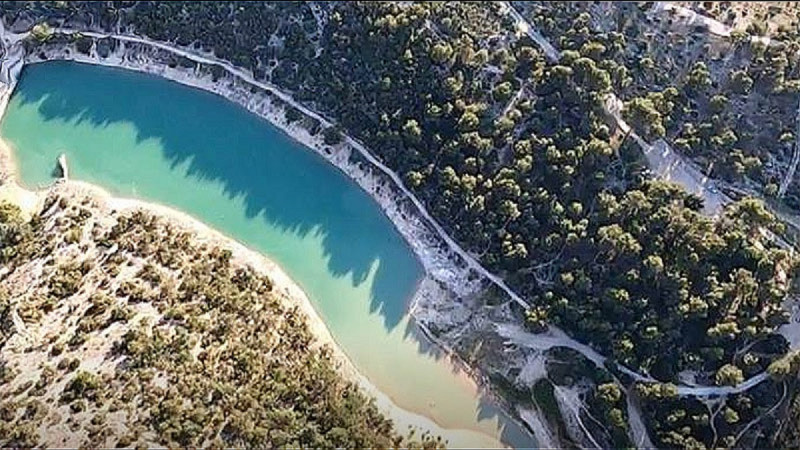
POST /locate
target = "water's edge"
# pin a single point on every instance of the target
(446, 283)
(284, 285)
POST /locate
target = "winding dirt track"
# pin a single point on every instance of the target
(667, 164)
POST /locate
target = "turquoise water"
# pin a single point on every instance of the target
(142, 136)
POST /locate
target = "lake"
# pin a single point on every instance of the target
(138, 135)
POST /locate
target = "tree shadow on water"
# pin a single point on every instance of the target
(279, 180)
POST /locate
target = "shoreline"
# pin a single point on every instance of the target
(447, 278)
(443, 275)
(12, 190)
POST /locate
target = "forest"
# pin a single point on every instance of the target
(516, 156)
(728, 102)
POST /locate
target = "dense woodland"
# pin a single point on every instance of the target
(731, 104)
(516, 157)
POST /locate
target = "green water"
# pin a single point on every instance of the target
(142, 136)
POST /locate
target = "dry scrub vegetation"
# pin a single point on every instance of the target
(121, 329)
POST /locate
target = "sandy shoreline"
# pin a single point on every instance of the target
(404, 222)
(283, 283)
(447, 277)
(29, 201)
